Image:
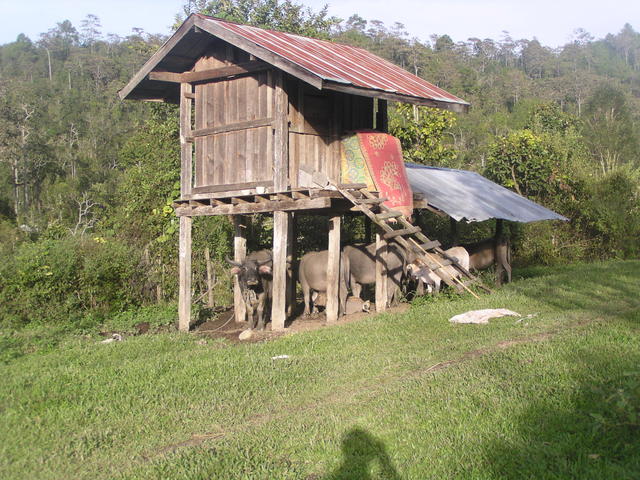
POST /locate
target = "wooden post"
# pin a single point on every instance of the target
(381, 272)
(280, 242)
(239, 254)
(333, 271)
(280, 134)
(184, 248)
(280, 219)
(453, 232)
(210, 279)
(184, 267)
(496, 241)
(291, 253)
(367, 230)
(186, 147)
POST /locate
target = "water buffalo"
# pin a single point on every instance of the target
(312, 275)
(254, 276)
(362, 263)
(430, 278)
(488, 252)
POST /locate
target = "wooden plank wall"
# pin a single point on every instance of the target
(318, 120)
(241, 156)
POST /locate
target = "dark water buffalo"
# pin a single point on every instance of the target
(312, 275)
(488, 252)
(254, 277)
(362, 264)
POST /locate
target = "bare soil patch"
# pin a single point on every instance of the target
(225, 326)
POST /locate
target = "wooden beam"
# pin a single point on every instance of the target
(184, 268)
(281, 134)
(279, 296)
(365, 92)
(248, 208)
(381, 272)
(333, 271)
(239, 254)
(231, 186)
(213, 74)
(186, 147)
(232, 127)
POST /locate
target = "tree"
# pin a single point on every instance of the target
(608, 129)
(422, 132)
(283, 15)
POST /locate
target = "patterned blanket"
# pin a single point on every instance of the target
(375, 159)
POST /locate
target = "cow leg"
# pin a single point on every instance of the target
(420, 288)
(306, 295)
(343, 293)
(261, 303)
(356, 288)
(251, 315)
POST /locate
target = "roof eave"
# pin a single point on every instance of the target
(458, 107)
(157, 57)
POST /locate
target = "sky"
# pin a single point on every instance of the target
(550, 21)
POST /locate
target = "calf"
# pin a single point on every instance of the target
(312, 275)
(488, 252)
(254, 277)
(430, 278)
(362, 262)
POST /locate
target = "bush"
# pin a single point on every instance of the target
(60, 280)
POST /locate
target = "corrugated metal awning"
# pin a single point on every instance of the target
(323, 64)
(469, 196)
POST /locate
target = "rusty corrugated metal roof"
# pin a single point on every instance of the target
(323, 64)
(344, 64)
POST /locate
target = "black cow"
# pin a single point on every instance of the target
(255, 279)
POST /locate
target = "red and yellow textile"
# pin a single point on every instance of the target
(375, 159)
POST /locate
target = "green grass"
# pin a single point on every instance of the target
(394, 396)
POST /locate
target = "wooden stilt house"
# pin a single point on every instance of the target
(261, 118)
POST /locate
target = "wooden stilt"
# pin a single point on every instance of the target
(367, 230)
(239, 254)
(453, 231)
(291, 253)
(381, 272)
(210, 277)
(280, 241)
(333, 271)
(184, 267)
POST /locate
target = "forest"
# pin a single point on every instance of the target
(87, 229)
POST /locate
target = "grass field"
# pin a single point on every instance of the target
(405, 396)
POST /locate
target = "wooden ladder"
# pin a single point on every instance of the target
(410, 237)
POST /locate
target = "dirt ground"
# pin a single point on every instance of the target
(224, 325)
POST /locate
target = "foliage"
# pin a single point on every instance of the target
(422, 133)
(61, 280)
(283, 15)
(523, 161)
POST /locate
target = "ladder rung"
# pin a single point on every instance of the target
(371, 200)
(430, 244)
(389, 214)
(404, 231)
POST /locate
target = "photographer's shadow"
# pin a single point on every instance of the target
(362, 452)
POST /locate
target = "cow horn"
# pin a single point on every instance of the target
(232, 262)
